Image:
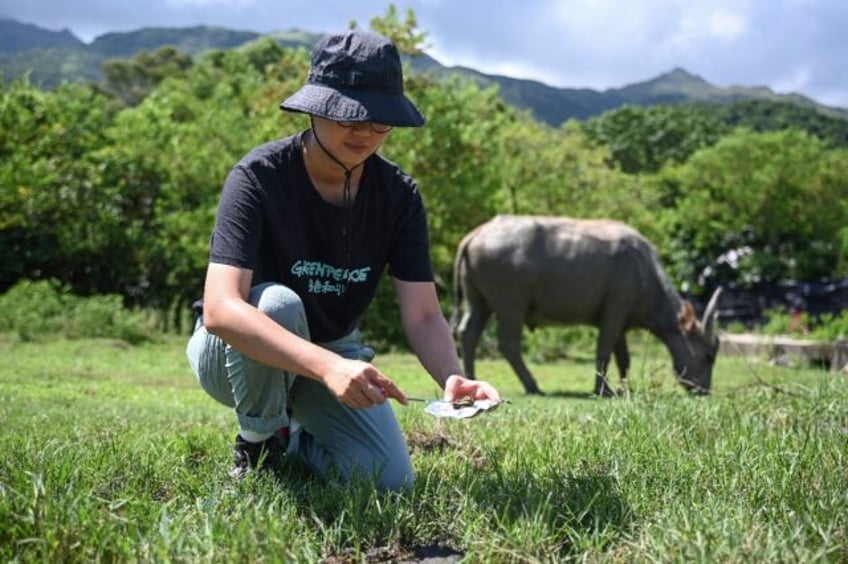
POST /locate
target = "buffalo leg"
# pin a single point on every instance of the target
(602, 385)
(622, 359)
(608, 339)
(470, 328)
(509, 343)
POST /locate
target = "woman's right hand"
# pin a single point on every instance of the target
(359, 384)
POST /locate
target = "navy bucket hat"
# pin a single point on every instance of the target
(356, 76)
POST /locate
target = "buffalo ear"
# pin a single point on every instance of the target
(686, 319)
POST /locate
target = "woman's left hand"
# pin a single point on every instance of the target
(458, 387)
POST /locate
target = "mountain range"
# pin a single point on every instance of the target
(52, 57)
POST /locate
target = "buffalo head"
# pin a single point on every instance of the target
(693, 362)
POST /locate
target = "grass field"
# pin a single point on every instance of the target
(113, 453)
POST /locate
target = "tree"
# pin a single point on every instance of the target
(757, 207)
(133, 79)
(770, 115)
(405, 34)
(643, 139)
(55, 217)
(174, 150)
(567, 175)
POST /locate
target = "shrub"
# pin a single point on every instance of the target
(36, 310)
(826, 327)
(105, 316)
(32, 308)
(832, 327)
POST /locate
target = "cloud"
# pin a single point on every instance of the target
(179, 4)
(726, 26)
(696, 28)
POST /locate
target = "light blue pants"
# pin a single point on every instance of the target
(332, 439)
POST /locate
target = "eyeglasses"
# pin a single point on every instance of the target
(375, 127)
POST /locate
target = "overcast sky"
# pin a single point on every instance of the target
(788, 45)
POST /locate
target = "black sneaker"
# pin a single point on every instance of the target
(265, 456)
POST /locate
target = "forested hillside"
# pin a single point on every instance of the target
(53, 58)
(112, 188)
(17, 37)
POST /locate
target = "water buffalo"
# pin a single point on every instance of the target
(534, 271)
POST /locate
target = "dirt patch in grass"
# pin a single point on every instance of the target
(429, 441)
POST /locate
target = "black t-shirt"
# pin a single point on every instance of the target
(273, 221)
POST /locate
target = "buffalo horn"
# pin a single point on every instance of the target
(710, 315)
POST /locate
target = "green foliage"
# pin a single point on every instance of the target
(47, 310)
(405, 34)
(32, 309)
(453, 159)
(122, 201)
(104, 316)
(57, 219)
(566, 176)
(831, 327)
(769, 115)
(643, 139)
(381, 326)
(826, 328)
(51, 67)
(841, 268)
(781, 322)
(133, 79)
(776, 199)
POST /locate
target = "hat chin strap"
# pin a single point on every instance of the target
(347, 171)
(347, 200)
